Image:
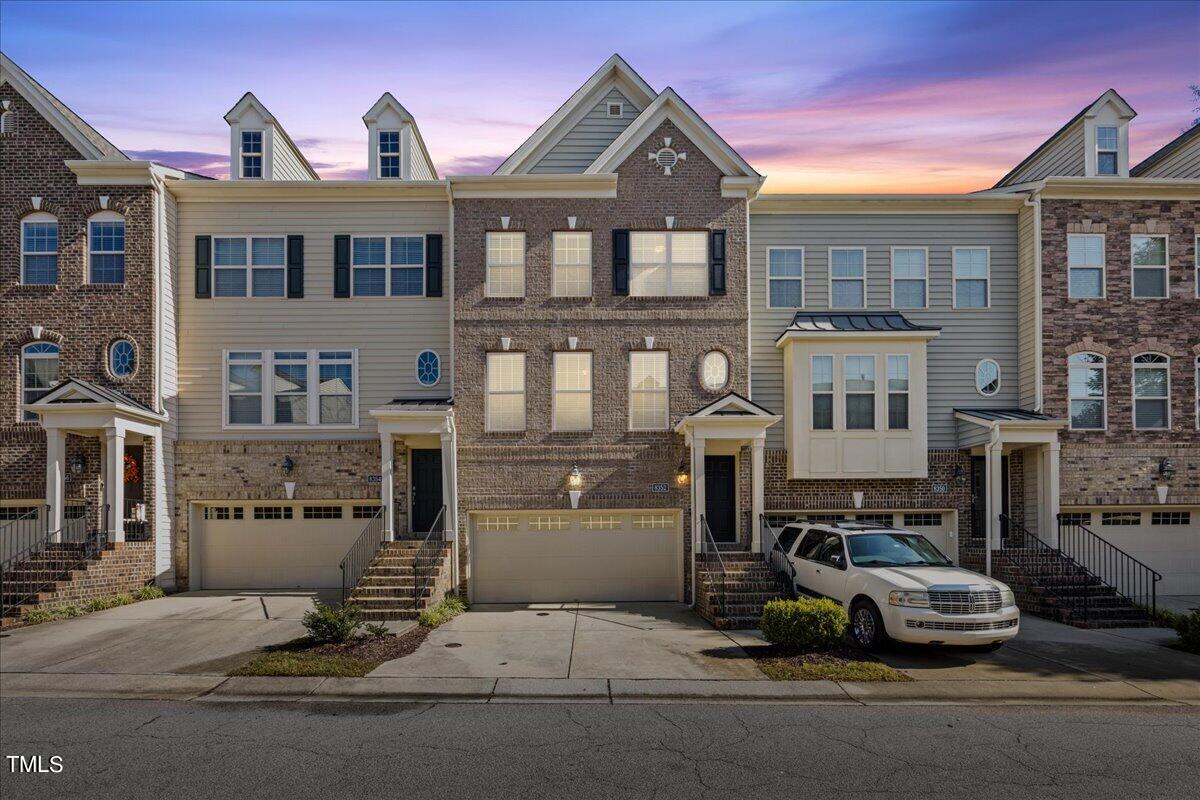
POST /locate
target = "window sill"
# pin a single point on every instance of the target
(39, 287)
(289, 428)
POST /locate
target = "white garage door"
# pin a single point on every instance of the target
(939, 527)
(266, 546)
(1167, 540)
(555, 556)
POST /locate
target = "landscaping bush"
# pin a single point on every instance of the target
(375, 630)
(804, 624)
(36, 616)
(451, 606)
(1188, 628)
(327, 624)
(150, 592)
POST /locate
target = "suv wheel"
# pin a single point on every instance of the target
(866, 626)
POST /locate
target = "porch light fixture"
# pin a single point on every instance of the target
(288, 465)
(681, 474)
(1166, 469)
(77, 463)
(959, 473)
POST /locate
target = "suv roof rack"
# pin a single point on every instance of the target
(844, 524)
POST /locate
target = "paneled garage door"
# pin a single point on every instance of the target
(1167, 540)
(557, 556)
(275, 546)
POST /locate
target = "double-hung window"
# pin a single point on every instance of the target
(505, 264)
(910, 277)
(971, 277)
(1106, 150)
(388, 266)
(106, 248)
(822, 393)
(252, 154)
(248, 264)
(1149, 266)
(505, 382)
(289, 396)
(39, 373)
(847, 277)
(897, 389)
(389, 154)
(668, 264)
(859, 379)
(1151, 392)
(1087, 386)
(785, 277)
(39, 249)
(648, 381)
(572, 264)
(1085, 263)
(572, 401)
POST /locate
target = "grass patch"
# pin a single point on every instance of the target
(839, 664)
(307, 658)
(451, 606)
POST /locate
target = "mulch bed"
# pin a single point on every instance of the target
(368, 648)
(300, 657)
(841, 663)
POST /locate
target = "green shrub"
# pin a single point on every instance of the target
(327, 624)
(804, 624)
(36, 616)
(69, 612)
(1188, 628)
(451, 606)
(100, 604)
(375, 630)
(150, 592)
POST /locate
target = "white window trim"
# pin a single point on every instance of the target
(1166, 268)
(487, 392)
(589, 391)
(554, 265)
(487, 283)
(1103, 366)
(832, 280)
(1115, 151)
(887, 389)
(892, 267)
(387, 266)
(833, 426)
(262, 154)
(999, 377)
(248, 267)
(666, 390)
(43, 217)
(1133, 398)
(1103, 265)
(417, 367)
(987, 295)
(874, 394)
(103, 216)
(27, 356)
(803, 277)
(380, 155)
(267, 361)
(669, 262)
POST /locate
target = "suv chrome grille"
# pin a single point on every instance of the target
(986, 601)
(935, 625)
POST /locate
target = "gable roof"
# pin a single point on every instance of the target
(76, 390)
(613, 72)
(1088, 110)
(1150, 161)
(82, 136)
(250, 101)
(386, 101)
(670, 105)
(732, 404)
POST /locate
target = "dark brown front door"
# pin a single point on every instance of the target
(720, 497)
(426, 489)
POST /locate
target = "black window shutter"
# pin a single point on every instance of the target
(620, 257)
(716, 282)
(341, 266)
(433, 265)
(295, 266)
(204, 266)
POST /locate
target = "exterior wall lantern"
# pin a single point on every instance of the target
(575, 485)
(682, 478)
(288, 465)
(77, 463)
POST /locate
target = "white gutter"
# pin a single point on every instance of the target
(1034, 201)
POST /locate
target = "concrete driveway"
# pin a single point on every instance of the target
(576, 640)
(199, 633)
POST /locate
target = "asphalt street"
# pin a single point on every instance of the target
(132, 749)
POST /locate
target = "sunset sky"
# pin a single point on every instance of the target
(820, 97)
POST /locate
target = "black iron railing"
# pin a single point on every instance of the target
(714, 566)
(361, 554)
(1132, 579)
(19, 536)
(426, 558)
(134, 522)
(781, 566)
(45, 556)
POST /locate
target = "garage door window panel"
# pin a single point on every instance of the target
(272, 512)
(860, 392)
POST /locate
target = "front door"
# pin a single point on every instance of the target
(426, 489)
(979, 511)
(720, 497)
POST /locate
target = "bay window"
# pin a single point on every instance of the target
(668, 264)
(897, 392)
(859, 386)
(822, 393)
(290, 397)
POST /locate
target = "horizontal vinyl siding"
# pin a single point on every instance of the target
(1063, 158)
(1027, 296)
(584, 143)
(287, 166)
(967, 335)
(1183, 163)
(418, 166)
(388, 332)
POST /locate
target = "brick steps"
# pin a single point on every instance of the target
(736, 602)
(64, 580)
(388, 589)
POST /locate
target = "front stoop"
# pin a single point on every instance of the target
(388, 589)
(749, 584)
(63, 580)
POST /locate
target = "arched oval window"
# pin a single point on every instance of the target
(987, 377)
(122, 358)
(714, 371)
(429, 368)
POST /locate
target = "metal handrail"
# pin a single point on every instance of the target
(20, 536)
(74, 544)
(1060, 564)
(1134, 580)
(781, 566)
(425, 570)
(361, 553)
(708, 545)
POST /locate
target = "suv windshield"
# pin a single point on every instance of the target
(894, 550)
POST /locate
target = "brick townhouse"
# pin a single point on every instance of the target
(582, 376)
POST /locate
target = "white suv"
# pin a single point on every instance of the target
(896, 585)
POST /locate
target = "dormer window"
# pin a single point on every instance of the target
(252, 154)
(389, 154)
(1106, 150)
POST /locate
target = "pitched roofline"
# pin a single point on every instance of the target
(614, 67)
(273, 120)
(1166, 150)
(1083, 112)
(75, 129)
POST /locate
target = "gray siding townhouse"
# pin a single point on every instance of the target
(584, 376)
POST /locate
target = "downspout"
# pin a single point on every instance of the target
(749, 312)
(1034, 201)
(449, 276)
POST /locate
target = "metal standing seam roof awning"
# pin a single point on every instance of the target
(1011, 425)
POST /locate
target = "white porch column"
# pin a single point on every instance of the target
(450, 497)
(98, 518)
(387, 470)
(757, 482)
(1052, 492)
(56, 455)
(698, 497)
(114, 486)
(995, 490)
